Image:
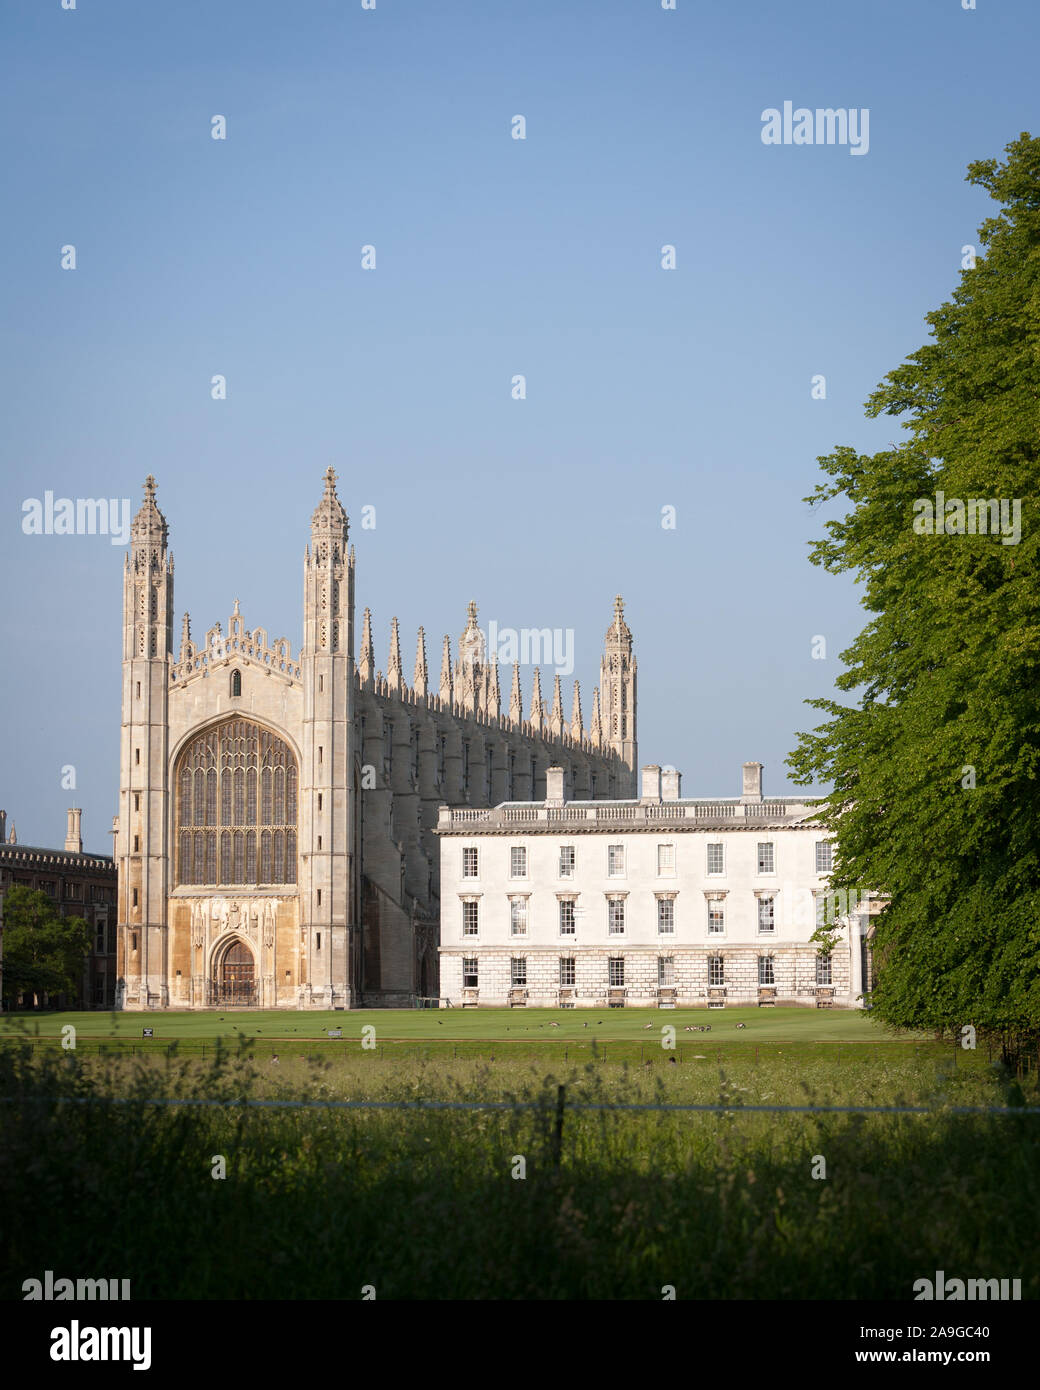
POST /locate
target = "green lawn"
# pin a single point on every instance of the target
(493, 1025)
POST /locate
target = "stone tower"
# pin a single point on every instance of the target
(327, 812)
(142, 852)
(617, 682)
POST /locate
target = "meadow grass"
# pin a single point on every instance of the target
(424, 1204)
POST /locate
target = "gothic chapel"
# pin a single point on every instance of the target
(275, 839)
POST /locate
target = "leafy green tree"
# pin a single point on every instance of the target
(936, 800)
(43, 951)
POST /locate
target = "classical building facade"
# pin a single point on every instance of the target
(660, 900)
(81, 885)
(275, 836)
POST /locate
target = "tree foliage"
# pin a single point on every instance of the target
(936, 801)
(43, 951)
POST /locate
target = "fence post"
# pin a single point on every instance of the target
(557, 1141)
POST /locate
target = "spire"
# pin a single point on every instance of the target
(469, 669)
(12, 839)
(421, 677)
(537, 704)
(148, 530)
(393, 666)
(516, 703)
(577, 731)
(185, 638)
(556, 717)
(367, 660)
(596, 727)
(329, 524)
(447, 690)
(494, 697)
(618, 633)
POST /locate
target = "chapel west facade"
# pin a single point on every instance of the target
(275, 838)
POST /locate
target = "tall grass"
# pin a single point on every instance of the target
(318, 1203)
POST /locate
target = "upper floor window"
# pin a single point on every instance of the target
(518, 916)
(824, 856)
(518, 861)
(236, 683)
(236, 807)
(766, 918)
(470, 862)
(566, 861)
(566, 916)
(616, 916)
(615, 861)
(716, 916)
(716, 859)
(665, 861)
(470, 917)
(766, 857)
(665, 916)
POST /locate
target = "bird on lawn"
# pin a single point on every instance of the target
(647, 1026)
(554, 1025)
(741, 1025)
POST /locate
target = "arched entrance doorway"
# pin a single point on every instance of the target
(234, 976)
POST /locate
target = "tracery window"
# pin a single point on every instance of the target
(236, 807)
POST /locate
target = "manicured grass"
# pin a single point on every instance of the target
(527, 1025)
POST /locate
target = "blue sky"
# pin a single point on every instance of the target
(645, 388)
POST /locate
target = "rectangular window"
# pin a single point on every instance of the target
(716, 916)
(137, 801)
(615, 861)
(469, 972)
(765, 970)
(665, 861)
(138, 689)
(766, 922)
(566, 916)
(470, 918)
(135, 897)
(318, 942)
(319, 897)
(319, 801)
(616, 971)
(823, 970)
(766, 861)
(566, 861)
(665, 916)
(716, 971)
(518, 916)
(469, 863)
(615, 916)
(321, 684)
(518, 861)
(518, 972)
(716, 859)
(567, 970)
(824, 856)
(665, 972)
(99, 945)
(137, 755)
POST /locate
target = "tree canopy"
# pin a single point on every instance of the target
(43, 951)
(936, 801)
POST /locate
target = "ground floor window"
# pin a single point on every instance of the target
(518, 972)
(765, 971)
(566, 970)
(823, 970)
(665, 971)
(469, 972)
(616, 971)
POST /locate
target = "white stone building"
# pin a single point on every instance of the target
(658, 901)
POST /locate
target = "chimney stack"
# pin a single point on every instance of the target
(752, 783)
(651, 783)
(671, 784)
(554, 793)
(73, 837)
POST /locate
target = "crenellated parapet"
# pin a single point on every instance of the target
(238, 645)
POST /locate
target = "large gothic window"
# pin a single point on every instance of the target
(236, 808)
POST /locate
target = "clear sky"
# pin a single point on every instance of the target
(646, 388)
